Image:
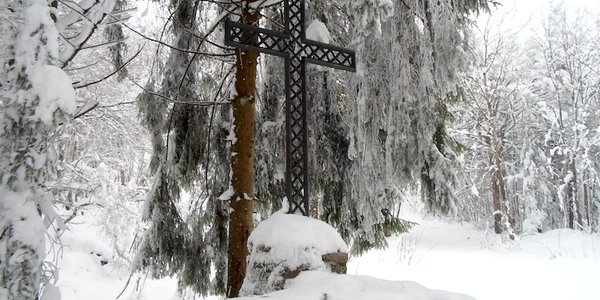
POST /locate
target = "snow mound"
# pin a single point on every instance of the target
(283, 232)
(284, 245)
(328, 286)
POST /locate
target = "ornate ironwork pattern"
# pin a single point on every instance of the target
(292, 45)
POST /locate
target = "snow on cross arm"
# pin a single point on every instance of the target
(317, 31)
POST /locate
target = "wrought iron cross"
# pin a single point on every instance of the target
(292, 45)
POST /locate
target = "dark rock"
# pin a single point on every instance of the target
(289, 274)
(336, 262)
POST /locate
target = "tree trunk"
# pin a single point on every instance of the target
(587, 202)
(497, 201)
(499, 196)
(242, 164)
(573, 211)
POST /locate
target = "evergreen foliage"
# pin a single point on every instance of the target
(369, 135)
(397, 121)
(114, 33)
(187, 140)
(35, 96)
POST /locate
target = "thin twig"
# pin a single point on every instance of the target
(109, 43)
(81, 13)
(118, 104)
(82, 67)
(212, 117)
(177, 48)
(202, 103)
(112, 73)
(126, 285)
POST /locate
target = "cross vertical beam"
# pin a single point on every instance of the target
(297, 51)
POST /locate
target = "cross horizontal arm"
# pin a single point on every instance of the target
(256, 39)
(330, 56)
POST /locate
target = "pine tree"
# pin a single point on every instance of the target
(177, 243)
(114, 33)
(397, 121)
(190, 138)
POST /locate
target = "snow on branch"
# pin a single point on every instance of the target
(370, 13)
(81, 22)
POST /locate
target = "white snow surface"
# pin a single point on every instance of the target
(460, 258)
(317, 31)
(323, 285)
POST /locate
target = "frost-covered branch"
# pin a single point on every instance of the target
(81, 20)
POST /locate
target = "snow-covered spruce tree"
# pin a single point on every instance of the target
(114, 33)
(396, 112)
(189, 153)
(270, 129)
(333, 178)
(35, 96)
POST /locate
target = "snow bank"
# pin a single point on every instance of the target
(328, 286)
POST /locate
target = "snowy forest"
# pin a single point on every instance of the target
(138, 151)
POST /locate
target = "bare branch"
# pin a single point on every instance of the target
(112, 73)
(109, 43)
(177, 48)
(198, 103)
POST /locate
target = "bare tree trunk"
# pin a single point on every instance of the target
(587, 201)
(572, 207)
(499, 198)
(242, 163)
(576, 208)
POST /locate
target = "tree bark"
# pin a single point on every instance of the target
(573, 211)
(587, 202)
(242, 164)
(499, 196)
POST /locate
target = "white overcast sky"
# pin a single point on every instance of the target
(526, 16)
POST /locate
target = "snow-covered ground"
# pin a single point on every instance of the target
(561, 264)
